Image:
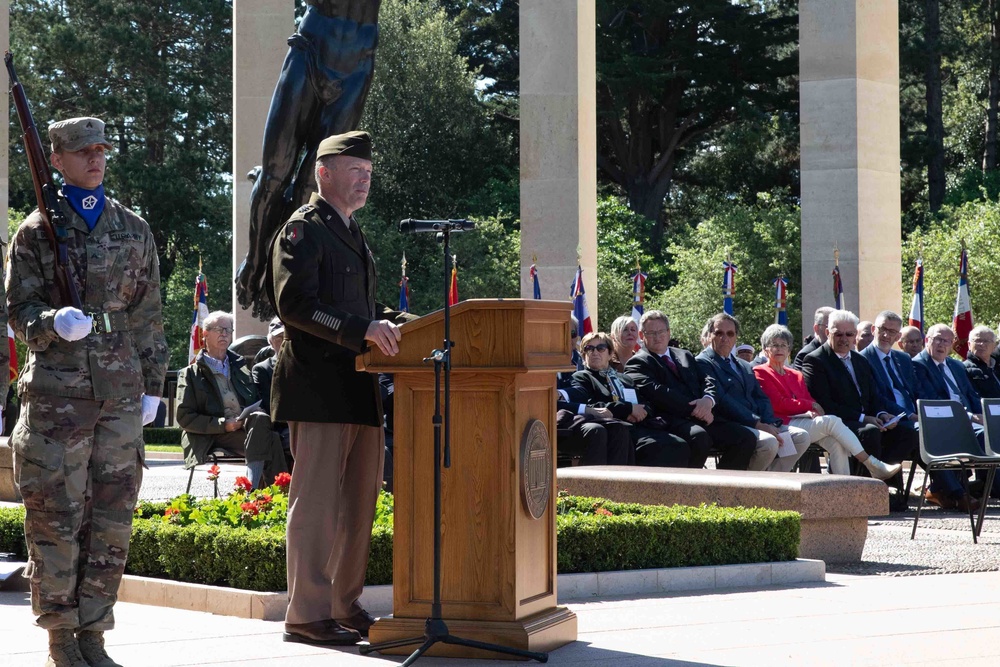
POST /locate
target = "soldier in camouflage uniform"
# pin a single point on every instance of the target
(92, 379)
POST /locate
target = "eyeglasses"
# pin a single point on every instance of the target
(655, 334)
(221, 330)
(941, 340)
(778, 346)
(887, 332)
(602, 347)
(724, 334)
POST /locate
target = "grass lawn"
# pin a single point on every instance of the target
(163, 448)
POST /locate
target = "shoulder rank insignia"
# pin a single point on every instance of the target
(294, 232)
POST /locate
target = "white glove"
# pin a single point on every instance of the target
(149, 407)
(72, 323)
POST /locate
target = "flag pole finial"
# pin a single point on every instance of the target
(534, 258)
(836, 254)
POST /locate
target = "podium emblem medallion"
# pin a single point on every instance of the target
(536, 468)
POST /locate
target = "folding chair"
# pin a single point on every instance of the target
(947, 442)
(215, 457)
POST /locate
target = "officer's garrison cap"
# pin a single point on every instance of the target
(351, 144)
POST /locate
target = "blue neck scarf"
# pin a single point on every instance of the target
(89, 204)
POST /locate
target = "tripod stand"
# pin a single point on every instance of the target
(435, 628)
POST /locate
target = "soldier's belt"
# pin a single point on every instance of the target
(105, 323)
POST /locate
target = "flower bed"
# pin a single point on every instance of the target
(239, 540)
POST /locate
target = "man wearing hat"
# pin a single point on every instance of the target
(321, 279)
(263, 376)
(92, 379)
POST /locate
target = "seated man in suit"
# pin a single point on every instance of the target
(670, 380)
(980, 365)
(945, 378)
(820, 321)
(911, 341)
(739, 398)
(212, 393)
(843, 383)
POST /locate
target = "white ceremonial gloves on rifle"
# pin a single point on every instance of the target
(72, 323)
(149, 407)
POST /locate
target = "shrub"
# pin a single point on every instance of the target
(12, 532)
(170, 435)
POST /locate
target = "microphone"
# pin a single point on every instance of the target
(411, 226)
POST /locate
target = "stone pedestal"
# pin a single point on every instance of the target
(559, 146)
(260, 31)
(849, 92)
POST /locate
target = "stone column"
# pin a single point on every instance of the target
(260, 31)
(849, 92)
(559, 145)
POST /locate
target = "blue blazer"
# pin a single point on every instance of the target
(738, 396)
(934, 383)
(904, 367)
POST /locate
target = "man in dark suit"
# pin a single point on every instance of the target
(843, 383)
(670, 380)
(263, 374)
(820, 318)
(739, 398)
(894, 374)
(321, 277)
(945, 378)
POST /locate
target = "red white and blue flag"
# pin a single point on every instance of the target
(917, 307)
(536, 288)
(638, 293)
(576, 293)
(962, 321)
(838, 289)
(198, 318)
(780, 300)
(728, 286)
(404, 290)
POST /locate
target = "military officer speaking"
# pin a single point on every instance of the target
(322, 282)
(92, 379)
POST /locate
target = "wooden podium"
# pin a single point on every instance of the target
(498, 574)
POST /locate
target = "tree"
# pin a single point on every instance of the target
(159, 74)
(763, 241)
(671, 72)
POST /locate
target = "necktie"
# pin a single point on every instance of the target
(896, 382)
(670, 364)
(850, 371)
(952, 386)
(356, 234)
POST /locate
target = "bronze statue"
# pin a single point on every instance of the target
(321, 91)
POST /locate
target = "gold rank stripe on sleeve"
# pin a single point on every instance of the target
(327, 320)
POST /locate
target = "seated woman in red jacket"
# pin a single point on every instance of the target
(791, 401)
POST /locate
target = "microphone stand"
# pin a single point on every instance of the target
(435, 628)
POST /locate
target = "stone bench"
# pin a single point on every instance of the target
(834, 508)
(8, 491)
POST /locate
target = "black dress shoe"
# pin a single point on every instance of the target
(361, 622)
(898, 503)
(321, 633)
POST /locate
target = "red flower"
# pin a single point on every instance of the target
(170, 511)
(243, 484)
(250, 508)
(602, 511)
(283, 480)
(213, 473)
(264, 499)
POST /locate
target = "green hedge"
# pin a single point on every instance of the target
(170, 435)
(594, 536)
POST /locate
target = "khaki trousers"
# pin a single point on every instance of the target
(331, 507)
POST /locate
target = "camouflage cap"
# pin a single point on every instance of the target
(77, 133)
(352, 144)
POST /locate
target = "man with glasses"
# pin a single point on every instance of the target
(670, 380)
(740, 399)
(212, 394)
(894, 374)
(843, 383)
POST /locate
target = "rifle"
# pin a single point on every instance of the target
(53, 220)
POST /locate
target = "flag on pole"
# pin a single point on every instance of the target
(638, 292)
(728, 286)
(576, 293)
(533, 272)
(404, 289)
(780, 300)
(13, 354)
(917, 307)
(200, 313)
(962, 321)
(453, 290)
(838, 283)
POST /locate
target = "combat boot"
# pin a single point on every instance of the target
(63, 650)
(92, 647)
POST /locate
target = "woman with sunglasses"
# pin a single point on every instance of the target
(610, 395)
